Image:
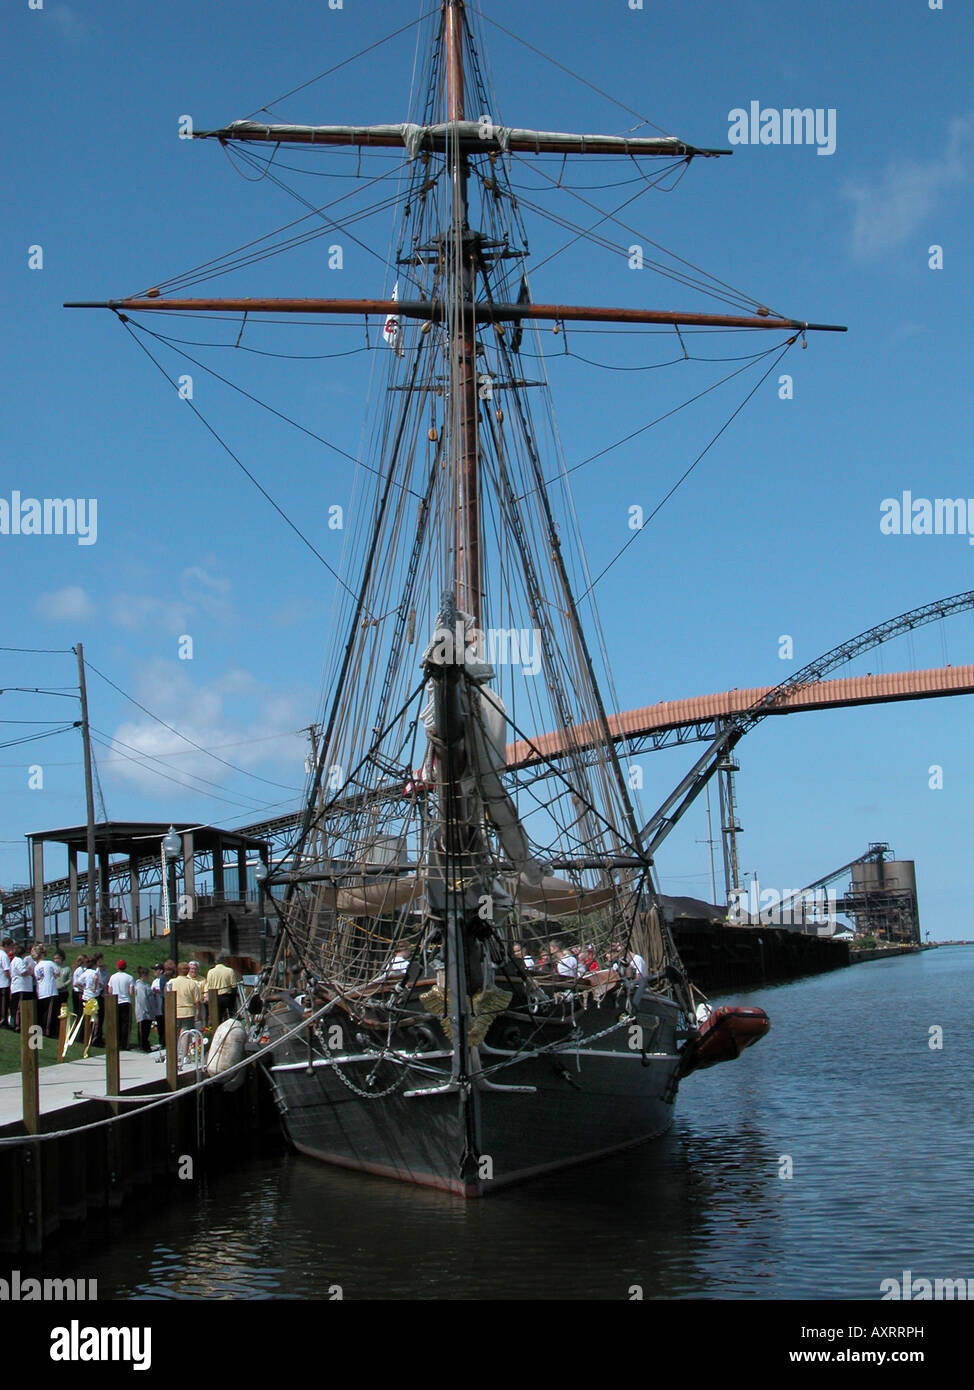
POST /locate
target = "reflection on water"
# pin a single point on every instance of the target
(878, 1127)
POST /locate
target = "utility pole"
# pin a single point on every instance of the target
(92, 923)
(710, 842)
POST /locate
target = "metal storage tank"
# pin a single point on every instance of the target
(868, 877)
(900, 876)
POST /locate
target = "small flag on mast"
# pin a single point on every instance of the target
(392, 332)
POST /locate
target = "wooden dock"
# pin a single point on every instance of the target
(88, 1135)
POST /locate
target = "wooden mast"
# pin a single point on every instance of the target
(461, 281)
(462, 417)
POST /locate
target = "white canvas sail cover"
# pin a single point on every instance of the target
(485, 739)
(486, 744)
(549, 895)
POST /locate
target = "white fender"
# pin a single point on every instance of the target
(226, 1050)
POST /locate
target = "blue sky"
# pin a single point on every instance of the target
(776, 532)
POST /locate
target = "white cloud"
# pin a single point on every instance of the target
(198, 711)
(207, 592)
(237, 681)
(136, 612)
(891, 207)
(70, 604)
(198, 593)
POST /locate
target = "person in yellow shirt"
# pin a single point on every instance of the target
(197, 978)
(221, 980)
(189, 996)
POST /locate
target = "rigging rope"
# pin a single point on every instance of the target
(686, 473)
(236, 459)
(320, 439)
(644, 120)
(691, 400)
(370, 48)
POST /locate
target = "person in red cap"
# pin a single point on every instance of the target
(122, 986)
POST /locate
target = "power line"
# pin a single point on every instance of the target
(33, 738)
(183, 752)
(142, 753)
(68, 692)
(186, 739)
(197, 791)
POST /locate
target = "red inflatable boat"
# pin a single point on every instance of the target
(724, 1035)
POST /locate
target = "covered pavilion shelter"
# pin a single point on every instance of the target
(129, 856)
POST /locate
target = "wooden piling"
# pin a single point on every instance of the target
(213, 1005)
(113, 1139)
(29, 1066)
(32, 1199)
(49, 1161)
(172, 1070)
(113, 1078)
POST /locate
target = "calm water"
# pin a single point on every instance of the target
(879, 1128)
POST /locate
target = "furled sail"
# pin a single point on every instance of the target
(482, 136)
(485, 737)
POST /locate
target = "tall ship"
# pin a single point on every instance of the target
(473, 981)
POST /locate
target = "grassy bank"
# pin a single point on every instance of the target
(136, 953)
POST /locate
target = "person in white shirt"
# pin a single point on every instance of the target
(45, 978)
(21, 982)
(567, 963)
(159, 983)
(517, 950)
(145, 1010)
(629, 964)
(5, 948)
(92, 989)
(122, 986)
(78, 984)
(638, 964)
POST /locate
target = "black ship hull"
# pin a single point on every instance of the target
(578, 1103)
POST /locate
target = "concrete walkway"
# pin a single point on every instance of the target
(60, 1083)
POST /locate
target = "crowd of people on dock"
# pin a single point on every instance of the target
(29, 973)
